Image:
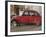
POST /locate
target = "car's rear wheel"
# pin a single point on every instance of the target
(38, 24)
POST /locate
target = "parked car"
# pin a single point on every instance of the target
(28, 17)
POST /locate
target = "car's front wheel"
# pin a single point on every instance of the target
(13, 24)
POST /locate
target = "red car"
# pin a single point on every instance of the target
(27, 17)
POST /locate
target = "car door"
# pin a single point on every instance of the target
(31, 17)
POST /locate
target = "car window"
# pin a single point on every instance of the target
(25, 13)
(30, 13)
(36, 14)
(33, 14)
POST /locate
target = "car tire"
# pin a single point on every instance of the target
(38, 24)
(13, 24)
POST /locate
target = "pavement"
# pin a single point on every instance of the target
(25, 28)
